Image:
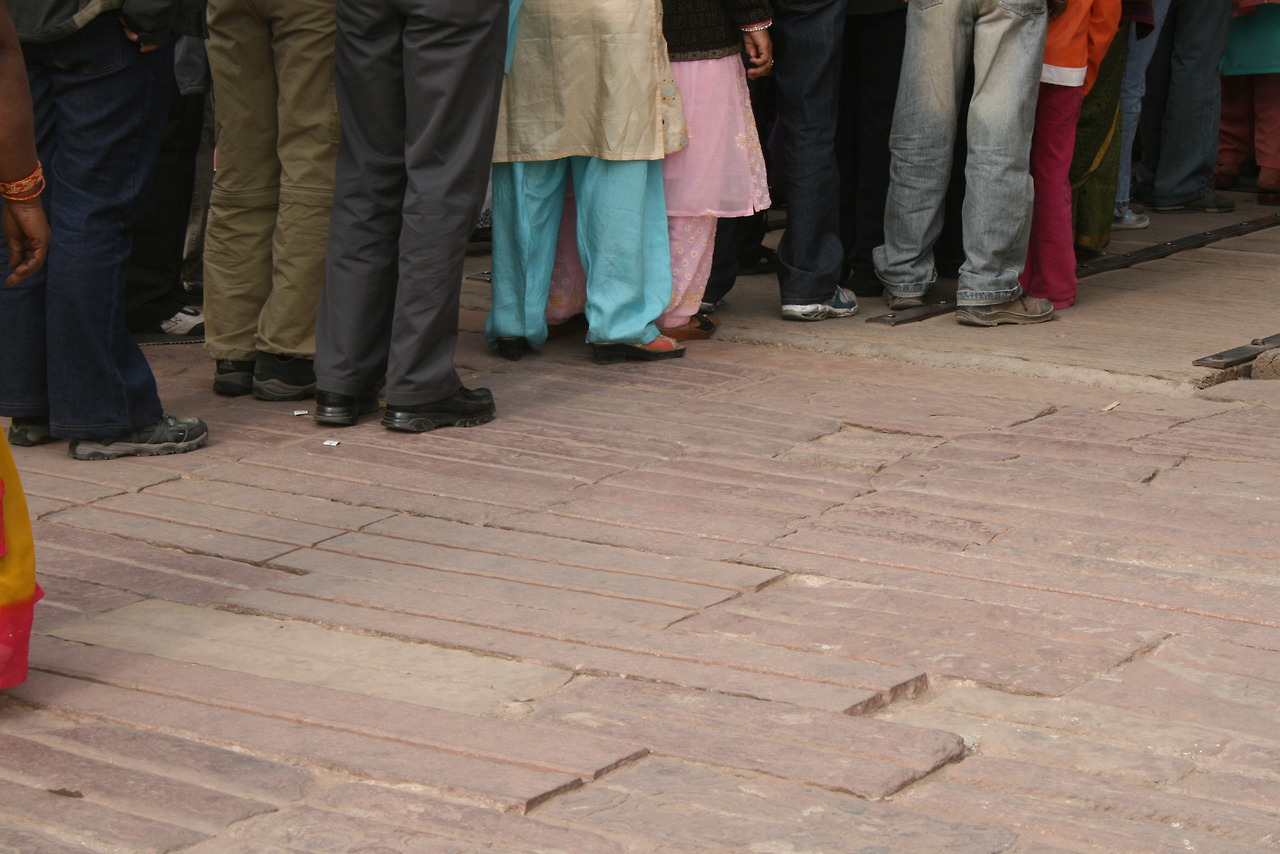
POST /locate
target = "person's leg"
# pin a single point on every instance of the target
(622, 240)
(453, 55)
(726, 257)
(935, 58)
(1132, 89)
(1051, 259)
(354, 315)
(153, 289)
(1236, 130)
(529, 225)
(692, 240)
(568, 295)
(1189, 138)
(246, 185)
(878, 42)
(1007, 48)
(807, 47)
(1266, 92)
(307, 145)
(98, 132)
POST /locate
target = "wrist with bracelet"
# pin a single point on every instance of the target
(755, 28)
(25, 190)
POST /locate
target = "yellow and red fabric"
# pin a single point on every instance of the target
(18, 589)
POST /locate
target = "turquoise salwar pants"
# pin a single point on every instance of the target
(622, 240)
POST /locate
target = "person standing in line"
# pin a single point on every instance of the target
(27, 238)
(1181, 114)
(100, 91)
(1080, 33)
(277, 138)
(875, 33)
(808, 44)
(1251, 98)
(720, 173)
(590, 99)
(418, 83)
(1003, 40)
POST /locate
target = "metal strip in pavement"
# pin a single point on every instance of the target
(1164, 250)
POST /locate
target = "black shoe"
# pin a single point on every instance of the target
(466, 407)
(169, 435)
(27, 431)
(278, 377)
(233, 378)
(510, 349)
(343, 410)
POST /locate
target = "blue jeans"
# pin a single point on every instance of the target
(1004, 39)
(100, 109)
(808, 41)
(1132, 87)
(1183, 109)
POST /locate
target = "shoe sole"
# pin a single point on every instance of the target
(405, 422)
(608, 354)
(1119, 227)
(344, 416)
(968, 319)
(129, 449)
(277, 390)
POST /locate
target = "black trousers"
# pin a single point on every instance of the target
(417, 83)
(153, 290)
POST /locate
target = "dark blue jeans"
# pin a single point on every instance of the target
(808, 40)
(100, 108)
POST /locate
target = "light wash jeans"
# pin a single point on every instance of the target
(1004, 39)
(1132, 88)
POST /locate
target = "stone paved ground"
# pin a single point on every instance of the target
(757, 600)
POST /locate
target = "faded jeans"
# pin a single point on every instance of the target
(1004, 39)
(1132, 88)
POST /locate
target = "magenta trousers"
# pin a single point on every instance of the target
(1051, 256)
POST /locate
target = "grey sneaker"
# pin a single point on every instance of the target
(842, 304)
(169, 435)
(1022, 309)
(29, 431)
(1210, 201)
(896, 303)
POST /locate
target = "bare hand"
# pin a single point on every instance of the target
(27, 233)
(133, 37)
(759, 53)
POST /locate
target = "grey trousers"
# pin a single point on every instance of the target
(417, 85)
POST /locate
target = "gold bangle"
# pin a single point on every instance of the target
(34, 195)
(19, 191)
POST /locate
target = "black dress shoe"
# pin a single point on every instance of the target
(343, 410)
(466, 407)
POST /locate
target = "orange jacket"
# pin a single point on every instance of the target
(1077, 41)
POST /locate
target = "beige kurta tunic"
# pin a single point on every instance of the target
(589, 78)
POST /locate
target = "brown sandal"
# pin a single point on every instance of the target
(698, 327)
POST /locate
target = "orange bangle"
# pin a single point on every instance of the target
(28, 188)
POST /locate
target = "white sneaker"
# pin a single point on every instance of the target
(843, 304)
(189, 321)
(1126, 220)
